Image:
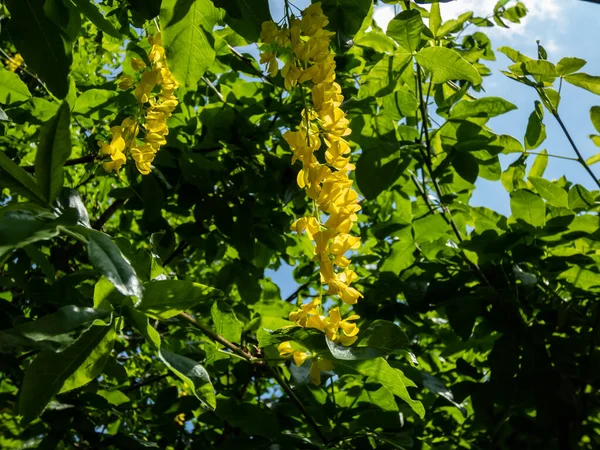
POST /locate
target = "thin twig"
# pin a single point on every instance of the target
(294, 294)
(577, 152)
(70, 162)
(248, 62)
(250, 358)
(288, 390)
(178, 251)
(212, 86)
(145, 382)
(107, 214)
(217, 338)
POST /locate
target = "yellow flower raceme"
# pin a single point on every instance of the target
(286, 351)
(15, 62)
(180, 419)
(157, 107)
(349, 330)
(305, 48)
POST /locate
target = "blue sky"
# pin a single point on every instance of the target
(564, 28)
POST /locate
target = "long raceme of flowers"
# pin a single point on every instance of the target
(156, 99)
(305, 45)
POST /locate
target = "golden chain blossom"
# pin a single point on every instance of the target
(15, 62)
(327, 184)
(158, 109)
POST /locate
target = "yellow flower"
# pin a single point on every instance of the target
(180, 419)
(143, 90)
(286, 351)
(125, 82)
(340, 245)
(269, 32)
(313, 19)
(340, 285)
(319, 365)
(349, 330)
(143, 157)
(15, 62)
(308, 224)
(137, 64)
(291, 74)
(270, 60)
(301, 316)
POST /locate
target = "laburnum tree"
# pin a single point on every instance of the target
(159, 159)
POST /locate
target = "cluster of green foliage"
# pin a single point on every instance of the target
(135, 311)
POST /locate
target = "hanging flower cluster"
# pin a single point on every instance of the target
(305, 46)
(156, 106)
(15, 62)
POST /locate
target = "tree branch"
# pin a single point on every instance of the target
(577, 152)
(70, 162)
(217, 338)
(107, 214)
(250, 358)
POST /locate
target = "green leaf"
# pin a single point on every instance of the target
(377, 169)
(580, 199)
(19, 228)
(68, 200)
(91, 11)
(593, 159)
(54, 149)
(581, 278)
(346, 16)
(47, 373)
(382, 78)
(585, 81)
(542, 71)
(528, 207)
(187, 27)
(94, 100)
(567, 66)
(48, 332)
(429, 228)
(446, 65)
(595, 139)
(539, 164)
(435, 18)
(482, 107)
(453, 25)
(535, 133)
(41, 44)
(12, 89)
(245, 17)
(406, 29)
(438, 387)
(226, 322)
(378, 370)
(595, 117)
(167, 298)
(19, 181)
(466, 166)
(400, 103)
(108, 259)
(551, 192)
(401, 257)
(115, 398)
(514, 55)
(93, 364)
(385, 336)
(193, 374)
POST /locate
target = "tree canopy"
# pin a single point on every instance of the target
(159, 159)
